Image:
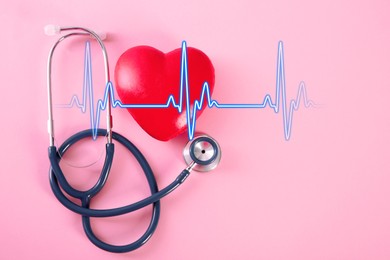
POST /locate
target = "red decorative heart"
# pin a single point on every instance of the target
(145, 75)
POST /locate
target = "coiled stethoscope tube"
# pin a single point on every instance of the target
(200, 160)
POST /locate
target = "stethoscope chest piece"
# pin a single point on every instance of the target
(204, 151)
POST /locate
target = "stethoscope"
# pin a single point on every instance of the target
(201, 154)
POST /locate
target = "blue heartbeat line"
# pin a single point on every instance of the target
(280, 102)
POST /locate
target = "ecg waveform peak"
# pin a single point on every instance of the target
(278, 104)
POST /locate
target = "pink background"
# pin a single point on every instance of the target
(322, 195)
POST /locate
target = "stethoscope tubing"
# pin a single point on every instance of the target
(58, 180)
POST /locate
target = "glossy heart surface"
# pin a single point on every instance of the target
(147, 76)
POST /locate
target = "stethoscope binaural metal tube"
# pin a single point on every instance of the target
(85, 32)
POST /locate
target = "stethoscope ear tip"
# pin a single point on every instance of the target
(204, 151)
(51, 29)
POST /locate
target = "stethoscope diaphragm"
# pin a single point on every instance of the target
(204, 151)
